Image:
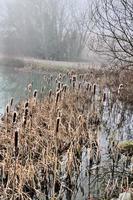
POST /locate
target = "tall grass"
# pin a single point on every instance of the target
(41, 145)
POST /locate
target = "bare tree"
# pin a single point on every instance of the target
(48, 29)
(113, 29)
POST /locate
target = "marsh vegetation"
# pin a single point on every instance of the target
(72, 142)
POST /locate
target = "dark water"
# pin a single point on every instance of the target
(13, 83)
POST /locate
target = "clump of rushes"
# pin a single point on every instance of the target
(14, 117)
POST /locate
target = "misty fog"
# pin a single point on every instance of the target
(48, 29)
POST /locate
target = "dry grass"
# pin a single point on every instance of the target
(36, 137)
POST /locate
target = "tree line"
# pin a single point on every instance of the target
(62, 29)
(48, 29)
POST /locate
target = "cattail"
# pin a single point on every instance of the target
(35, 94)
(26, 104)
(90, 88)
(59, 85)
(7, 109)
(60, 76)
(104, 97)
(57, 97)
(16, 139)
(57, 125)
(14, 117)
(70, 80)
(30, 87)
(79, 85)
(94, 89)
(11, 102)
(74, 78)
(73, 84)
(121, 86)
(26, 112)
(50, 94)
(64, 88)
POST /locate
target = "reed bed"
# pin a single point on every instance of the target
(43, 139)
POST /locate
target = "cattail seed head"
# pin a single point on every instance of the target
(57, 125)
(50, 94)
(11, 102)
(26, 112)
(35, 94)
(121, 86)
(7, 109)
(74, 78)
(59, 85)
(94, 89)
(26, 104)
(30, 87)
(104, 97)
(16, 140)
(79, 85)
(57, 97)
(14, 117)
(73, 84)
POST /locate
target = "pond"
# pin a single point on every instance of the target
(13, 83)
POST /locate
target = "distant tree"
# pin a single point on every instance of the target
(48, 29)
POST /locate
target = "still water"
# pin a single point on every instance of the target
(13, 83)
